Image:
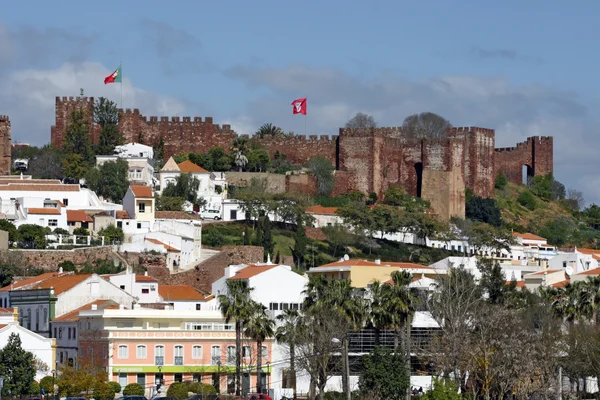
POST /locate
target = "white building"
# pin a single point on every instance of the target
(43, 216)
(139, 204)
(143, 288)
(139, 159)
(324, 216)
(184, 297)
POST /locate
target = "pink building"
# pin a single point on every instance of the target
(150, 347)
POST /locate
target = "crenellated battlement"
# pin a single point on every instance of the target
(532, 140)
(4, 118)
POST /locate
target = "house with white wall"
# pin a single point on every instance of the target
(139, 204)
(324, 216)
(78, 219)
(139, 159)
(183, 297)
(142, 288)
(44, 216)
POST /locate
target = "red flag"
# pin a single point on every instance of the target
(299, 106)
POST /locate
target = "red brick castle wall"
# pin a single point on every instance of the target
(536, 153)
(5, 147)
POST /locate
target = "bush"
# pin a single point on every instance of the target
(133, 389)
(67, 266)
(201, 388)
(179, 390)
(34, 388)
(527, 200)
(500, 181)
(442, 390)
(116, 386)
(47, 383)
(104, 391)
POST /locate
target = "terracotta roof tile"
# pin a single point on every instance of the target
(251, 270)
(179, 293)
(593, 271)
(321, 210)
(2, 326)
(550, 271)
(122, 214)
(190, 167)
(528, 236)
(39, 187)
(30, 281)
(141, 191)
(60, 203)
(43, 211)
(144, 278)
(560, 284)
(158, 242)
(31, 181)
(6, 311)
(78, 216)
(175, 215)
(520, 284)
(365, 263)
(61, 283)
(73, 316)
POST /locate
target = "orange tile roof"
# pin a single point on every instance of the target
(2, 326)
(550, 271)
(528, 236)
(122, 214)
(144, 278)
(29, 281)
(560, 284)
(28, 181)
(43, 211)
(520, 284)
(73, 316)
(27, 187)
(175, 215)
(61, 283)
(158, 242)
(365, 263)
(593, 271)
(78, 216)
(6, 311)
(190, 167)
(179, 293)
(60, 203)
(592, 252)
(141, 191)
(251, 270)
(321, 210)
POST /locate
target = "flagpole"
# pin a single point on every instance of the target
(121, 68)
(306, 116)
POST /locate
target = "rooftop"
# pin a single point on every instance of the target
(158, 242)
(28, 187)
(141, 191)
(321, 210)
(170, 166)
(179, 293)
(43, 211)
(365, 263)
(61, 283)
(190, 167)
(78, 216)
(30, 281)
(73, 316)
(250, 271)
(122, 214)
(144, 278)
(528, 236)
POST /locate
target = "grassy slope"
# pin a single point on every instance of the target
(517, 215)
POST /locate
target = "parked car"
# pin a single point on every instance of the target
(211, 214)
(132, 398)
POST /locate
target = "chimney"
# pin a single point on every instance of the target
(378, 261)
(146, 273)
(94, 307)
(60, 270)
(121, 307)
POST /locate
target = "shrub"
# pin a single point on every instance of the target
(104, 391)
(500, 181)
(34, 388)
(47, 383)
(133, 389)
(442, 390)
(201, 388)
(116, 386)
(67, 266)
(527, 200)
(179, 390)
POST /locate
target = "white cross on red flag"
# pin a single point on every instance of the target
(299, 106)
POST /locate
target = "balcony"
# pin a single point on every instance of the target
(178, 360)
(159, 360)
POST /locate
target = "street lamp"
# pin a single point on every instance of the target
(345, 364)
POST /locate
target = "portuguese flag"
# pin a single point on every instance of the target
(114, 77)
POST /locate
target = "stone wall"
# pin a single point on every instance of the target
(275, 182)
(203, 275)
(5, 146)
(49, 259)
(536, 154)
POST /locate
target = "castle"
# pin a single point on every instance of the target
(369, 160)
(5, 146)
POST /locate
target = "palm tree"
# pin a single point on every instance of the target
(259, 327)
(286, 333)
(401, 304)
(236, 305)
(269, 130)
(380, 317)
(239, 147)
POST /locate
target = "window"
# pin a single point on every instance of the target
(230, 354)
(123, 353)
(70, 223)
(44, 313)
(123, 380)
(69, 333)
(60, 333)
(246, 352)
(122, 287)
(196, 377)
(265, 352)
(142, 207)
(74, 333)
(105, 351)
(274, 306)
(198, 307)
(65, 202)
(119, 224)
(37, 320)
(140, 352)
(139, 225)
(55, 332)
(197, 352)
(52, 222)
(61, 357)
(145, 289)
(215, 354)
(141, 380)
(29, 319)
(159, 350)
(178, 377)
(178, 355)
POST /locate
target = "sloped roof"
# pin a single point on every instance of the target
(43, 211)
(27, 187)
(520, 284)
(6, 311)
(353, 262)
(61, 283)
(593, 271)
(250, 271)
(158, 242)
(321, 210)
(189, 167)
(179, 293)
(592, 252)
(78, 216)
(73, 316)
(141, 191)
(144, 278)
(122, 214)
(175, 215)
(29, 281)
(529, 236)
(170, 166)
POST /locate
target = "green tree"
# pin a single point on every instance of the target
(286, 333)
(47, 383)
(74, 166)
(115, 386)
(34, 235)
(16, 365)
(13, 233)
(269, 129)
(264, 237)
(186, 186)
(361, 121)
(112, 233)
(179, 390)
(159, 154)
(501, 181)
(259, 327)
(258, 160)
(103, 391)
(322, 170)
(443, 389)
(67, 266)
(47, 164)
(169, 203)
(236, 305)
(34, 388)
(527, 200)
(77, 136)
(384, 374)
(133, 389)
(81, 231)
(106, 116)
(300, 242)
(109, 180)
(482, 209)
(425, 125)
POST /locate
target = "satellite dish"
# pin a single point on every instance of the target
(569, 270)
(346, 257)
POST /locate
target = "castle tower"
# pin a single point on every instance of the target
(5, 159)
(64, 107)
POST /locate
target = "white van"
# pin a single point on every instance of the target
(210, 214)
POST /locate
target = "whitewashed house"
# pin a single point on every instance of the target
(183, 297)
(143, 288)
(139, 204)
(139, 159)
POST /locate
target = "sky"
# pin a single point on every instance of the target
(523, 68)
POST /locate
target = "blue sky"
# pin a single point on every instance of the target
(522, 68)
